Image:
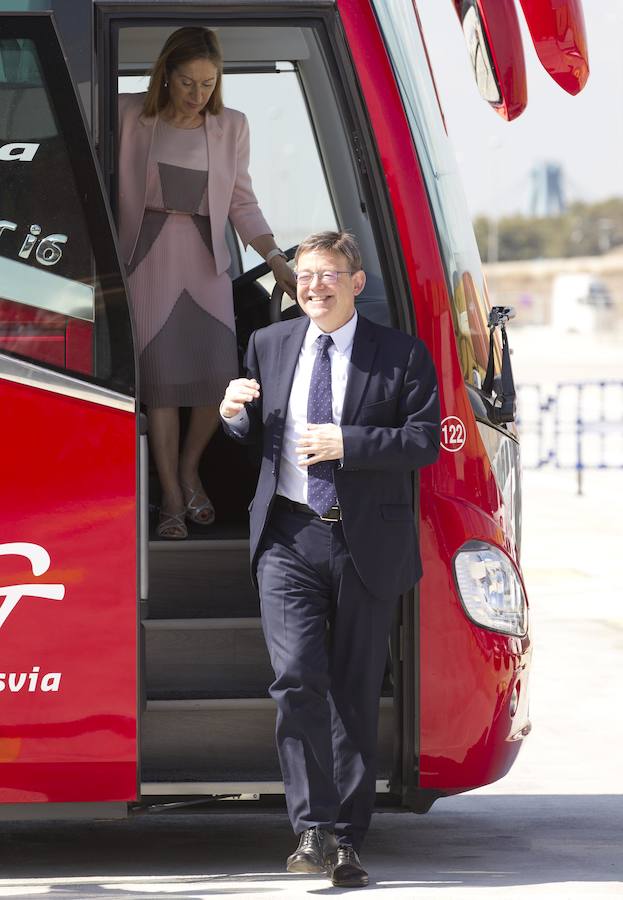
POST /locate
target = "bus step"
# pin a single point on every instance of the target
(200, 579)
(241, 790)
(225, 740)
(204, 657)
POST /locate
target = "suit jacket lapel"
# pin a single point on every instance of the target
(362, 357)
(141, 154)
(286, 360)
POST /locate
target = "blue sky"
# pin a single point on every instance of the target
(583, 133)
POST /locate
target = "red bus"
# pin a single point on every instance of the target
(134, 670)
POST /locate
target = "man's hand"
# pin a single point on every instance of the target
(322, 442)
(239, 391)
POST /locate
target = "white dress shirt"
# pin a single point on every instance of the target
(292, 477)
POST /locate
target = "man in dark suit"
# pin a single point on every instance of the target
(345, 411)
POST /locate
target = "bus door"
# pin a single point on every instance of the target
(68, 557)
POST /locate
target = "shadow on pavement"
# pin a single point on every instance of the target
(464, 842)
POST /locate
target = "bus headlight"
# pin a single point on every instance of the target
(490, 589)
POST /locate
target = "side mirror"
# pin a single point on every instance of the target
(493, 38)
(559, 36)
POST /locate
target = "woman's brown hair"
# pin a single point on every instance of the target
(181, 47)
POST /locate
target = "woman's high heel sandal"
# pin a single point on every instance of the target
(171, 526)
(199, 507)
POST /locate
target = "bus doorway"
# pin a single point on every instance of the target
(207, 721)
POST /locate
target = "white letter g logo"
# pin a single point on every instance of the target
(40, 563)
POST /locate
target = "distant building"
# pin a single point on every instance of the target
(547, 195)
(580, 293)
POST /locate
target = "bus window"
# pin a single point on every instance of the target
(282, 139)
(61, 301)
(470, 328)
(456, 237)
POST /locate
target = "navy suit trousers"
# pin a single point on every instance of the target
(327, 636)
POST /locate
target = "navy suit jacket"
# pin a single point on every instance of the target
(390, 427)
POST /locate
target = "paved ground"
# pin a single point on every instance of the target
(552, 827)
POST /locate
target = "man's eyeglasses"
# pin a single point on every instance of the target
(328, 277)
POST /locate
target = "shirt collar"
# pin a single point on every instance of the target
(342, 338)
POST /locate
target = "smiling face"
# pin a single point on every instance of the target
(328, 305)
(191, 85)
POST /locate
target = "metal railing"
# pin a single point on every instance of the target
(573, 425)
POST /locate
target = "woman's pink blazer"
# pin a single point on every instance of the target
(230, 192)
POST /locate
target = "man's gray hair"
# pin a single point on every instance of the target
(332, 242)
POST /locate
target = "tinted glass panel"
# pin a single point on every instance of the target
(456, 236)
(61, 294)
(294, 205)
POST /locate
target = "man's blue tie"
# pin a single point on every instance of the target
(321, 494)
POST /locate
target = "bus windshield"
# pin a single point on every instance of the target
(457, 243)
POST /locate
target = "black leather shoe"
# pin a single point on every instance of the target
(346, 870)
(315, 851)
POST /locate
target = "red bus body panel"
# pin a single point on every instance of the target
(559, 36)
(75, 497)
(465, 739)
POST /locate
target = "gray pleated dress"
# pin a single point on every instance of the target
(183, 310)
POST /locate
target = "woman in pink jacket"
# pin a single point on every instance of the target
(183, 171)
